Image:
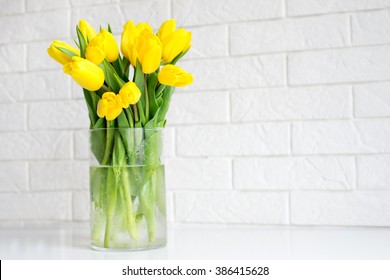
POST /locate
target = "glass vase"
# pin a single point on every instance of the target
(127, 189)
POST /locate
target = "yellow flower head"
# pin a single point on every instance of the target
(129, 35)
(173, 41)
(175, 76)
(109, 106)
(103, 46)
(85, 73)
(58, 55)
(130, 94)
(87, 30)
(166, 29)
(148, 51)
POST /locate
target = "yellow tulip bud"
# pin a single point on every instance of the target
(166, 29)
(129, 35)
(176, 42)
(130, 94)
(87, 30)
(175, 76)
(109, 106)
(148, 51)
(58, 55)
(85, 73)
(103, 46)
(95, 53)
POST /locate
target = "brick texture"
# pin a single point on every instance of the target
(287, 121)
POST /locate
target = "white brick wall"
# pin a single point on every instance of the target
(288, 121)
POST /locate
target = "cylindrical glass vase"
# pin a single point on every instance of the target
(127, 189)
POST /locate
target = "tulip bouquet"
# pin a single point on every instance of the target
(127, 98)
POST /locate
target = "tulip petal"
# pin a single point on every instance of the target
(151, 60)
(102, 46)
(94, 54)
(87, 30)
(166, 29)
(109, 106)
(173, 75)
(58, 55)
(102, 108)
(130, 94)
(177, 42)
(85, 73)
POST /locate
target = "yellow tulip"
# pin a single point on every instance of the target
(166, 29)
(87, 30)
(103, 46)
(130, 94)
(176, 42)
(58, 55)
(85, 73)
(129, 35)
(175, 76)
(109, 106)
(148, 51)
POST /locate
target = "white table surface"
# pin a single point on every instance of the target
(71, 241)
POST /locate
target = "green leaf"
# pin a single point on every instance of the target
(67, 52)
(91, 110)
(122, 120)
(153, 123)
(119, 80)
(166, 101)
(82, 43)
(138, 124)
(109, 142)
(139, 77)
(98, 141)
(126, 68)
(109, 28)
(119, 152)
(114, 82)
(99, 124)
(130, 116)
(95, 99)
(162, 123)
(127, 137)
(141, 113)
(152, 83)
(118, 67)
(100, 92)
(160, 90)
(139, 80)
(159, 101)
(179, 56)
(77, 43)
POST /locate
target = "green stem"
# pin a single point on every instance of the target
(105, 188)
(146, 97)
(147, 199)
(129, 116)
(136, 118)
(128, 205)
(105, 88)
(167, 94)
(98, 179)
(91, 109)
(109, 143)
(127, 68)
(141, 113)
(112, 190)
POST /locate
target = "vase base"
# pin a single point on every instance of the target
(141, 248)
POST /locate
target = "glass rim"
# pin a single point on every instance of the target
(126, 128)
